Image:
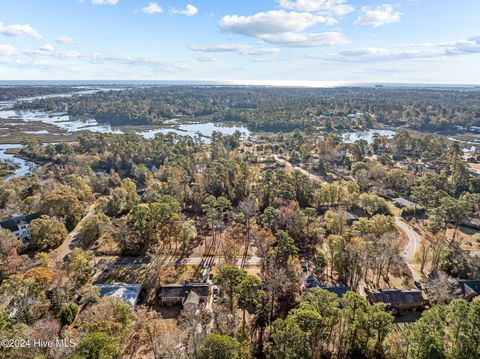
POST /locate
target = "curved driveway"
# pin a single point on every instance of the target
(412, 246)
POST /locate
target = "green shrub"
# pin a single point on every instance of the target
(68, 313)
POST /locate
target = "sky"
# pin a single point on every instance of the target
(284, 42)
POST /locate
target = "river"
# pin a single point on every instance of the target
(68, 125)
(366, 135)
(203, 129)
(22, 167)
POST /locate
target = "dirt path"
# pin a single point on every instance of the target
(65, 248)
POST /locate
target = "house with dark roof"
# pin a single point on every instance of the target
(396, 298)
(128, 293)
(470, 288)
(18, 225)
(403, 203)
(179, 293)
(337, 288)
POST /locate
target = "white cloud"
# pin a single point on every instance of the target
(220, 48)
(7, 50)
(207, 58)
(49, 51)
(73, 58)
(29, 63)
(47, 48)
(270, 22)
(292, 39)
(235, 48)
(283, 28)
(405, 52)
(18, 30)
(330, 7)
(375, 54)
(402, 52)
(378, 16)
(152, 8)
(189, 10)
(105, 2)
(154, 62)
(72, 54)
(65, 40)
(263, 51)
(470, 45)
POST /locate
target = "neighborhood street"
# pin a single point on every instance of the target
(193, 260)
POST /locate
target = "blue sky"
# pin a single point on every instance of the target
(244, 41)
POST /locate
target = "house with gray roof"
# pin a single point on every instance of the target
(403, 203)
(128, 293)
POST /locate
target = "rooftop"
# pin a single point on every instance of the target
(337, 288)
(400, 299)
(402, 202)
(12, 223)
(470, 288)
(126, 292)
(179, 290)
(350, 216)
(192, 298)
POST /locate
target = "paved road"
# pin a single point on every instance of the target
(412, 246)
(194, 260)
(304, 171)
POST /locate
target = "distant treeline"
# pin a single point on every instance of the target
(8, 93)
(264, 108)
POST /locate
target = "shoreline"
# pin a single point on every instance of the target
(466, 138)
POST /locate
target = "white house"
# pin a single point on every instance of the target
(18, 225)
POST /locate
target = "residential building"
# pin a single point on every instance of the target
(403, 203)
(18, 225)
(396, 299)
(179, 293)
(337, 288)
(470, 288)
(128, 293)
(350, 218)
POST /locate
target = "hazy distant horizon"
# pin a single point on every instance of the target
(253, 83)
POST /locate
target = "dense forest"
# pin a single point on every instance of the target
(8, 93)
(127, 204)
(264, 108)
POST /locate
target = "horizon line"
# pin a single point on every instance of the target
(265, 83)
